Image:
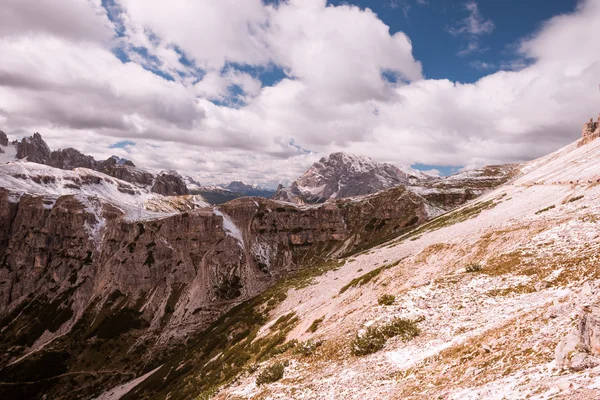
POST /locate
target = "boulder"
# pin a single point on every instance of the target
(580, 349)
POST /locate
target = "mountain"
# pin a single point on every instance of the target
(100, 274)
(35, 149)
(470, 285)
(249, 190)
(223, 193)
(345, 175)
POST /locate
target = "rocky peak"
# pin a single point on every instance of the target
(169, 183)
(33, 149)
(70, 159)
(346, 175)
(591, 130)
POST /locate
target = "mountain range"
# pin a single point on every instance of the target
(458, 287)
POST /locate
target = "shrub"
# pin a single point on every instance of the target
(307, 348)
(473, 268)
(545, 209)
(575, 198)
(284, 347)
(371, 341)
(375, 337)
(406, 329)
(315, 325)
(386, 300)
(366, 278)
(270, 374)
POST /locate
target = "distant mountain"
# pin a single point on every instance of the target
(34, 149)
(249, 190)
(345, 175)
(223, 193)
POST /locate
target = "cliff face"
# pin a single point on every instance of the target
(590, 131)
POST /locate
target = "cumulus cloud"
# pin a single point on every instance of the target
(214, 120)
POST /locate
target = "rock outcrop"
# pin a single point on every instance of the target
(70, 158)
(590, 131)
(33, 149)
(580, 349)
(3, 139)
(169, 184)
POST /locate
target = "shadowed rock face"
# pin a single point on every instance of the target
(3, 139)
(70, 159)
(169, 184)
(33, 149)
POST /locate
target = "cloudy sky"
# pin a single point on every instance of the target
(258, 90)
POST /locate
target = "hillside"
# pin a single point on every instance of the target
(503, 291)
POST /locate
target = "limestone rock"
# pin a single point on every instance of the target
(580, 349)
(33, 149)
(70, 158)
(590, 131)
(169, 184)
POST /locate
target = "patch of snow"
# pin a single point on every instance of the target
(230, 227)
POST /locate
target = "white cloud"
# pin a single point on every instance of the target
(67, 84)
(472, 28)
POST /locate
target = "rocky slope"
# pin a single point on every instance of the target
(35, 149)
(103, 281)
(498, 299)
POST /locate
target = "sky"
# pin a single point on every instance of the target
(259, 90)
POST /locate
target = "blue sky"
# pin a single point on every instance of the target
(427, 26)
(247, 90)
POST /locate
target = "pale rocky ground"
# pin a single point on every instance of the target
(485, 335)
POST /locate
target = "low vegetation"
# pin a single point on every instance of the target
(375, 337)
(545, 209)
(366, 278)
(315, 325)
(270, 374)
(386, 300)
(308, 347)
(572, 199)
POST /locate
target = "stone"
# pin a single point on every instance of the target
(3, 139)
